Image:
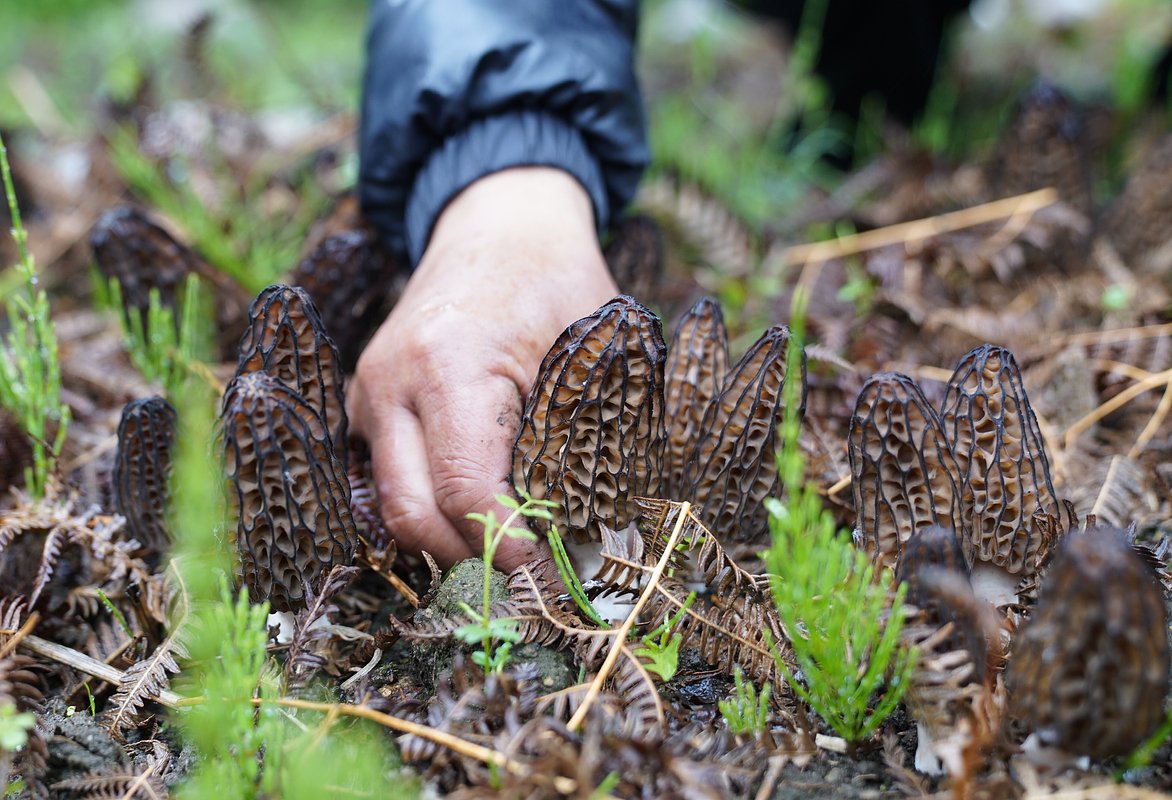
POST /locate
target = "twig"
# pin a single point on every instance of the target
(450, 741)
(1115, 403)
(90, 666)
(1157, 419)
(16, 637)
(621, 634)
(919, 229)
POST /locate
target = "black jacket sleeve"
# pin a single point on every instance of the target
(457, 89)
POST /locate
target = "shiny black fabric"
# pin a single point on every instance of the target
(456, 89)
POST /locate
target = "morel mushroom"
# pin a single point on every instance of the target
(903, 472)
(286, 339)
(948, 633)
(732, 469)
(348, 275)
(635, 255)
(290, 490)
(142, 468)
(1045, 145)
(695, 371)
(1137, 222)
(998, 446)
(592, 430)
(129, 246)
(1089, 672)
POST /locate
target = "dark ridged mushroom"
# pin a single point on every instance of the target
(592, 430)
(286, 339)
(289, 488)
(1045, 144)
(348, 276)
(732, 468)
(635, 255)
(903, 472)
(131, 247)
(948, 633)
(998, 445)
(1089, 671)
(695, 371)
(142, 467)
(1137, 222)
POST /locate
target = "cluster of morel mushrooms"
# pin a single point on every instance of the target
(957, 500)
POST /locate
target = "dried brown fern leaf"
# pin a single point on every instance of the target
(694, 373)
(20, 686)
(731, 625)
(142, 467)
(312, 634)
(702, 224)
(592, 431)
(732, 467)
(290, 491)
(1115, 491)
(117, 784)
(142, 682)
(904, 476)
(287, 339)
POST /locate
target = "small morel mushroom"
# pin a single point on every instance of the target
(286, 339)
(696, 367)
(128, 246)
(348, 275)
(635, 255)
(1089, 672)
(732, 469)
(592, 431)
(903, 473)
(289, 488)
(142, 468)
(948, 633)
(1044, 145)
(998, 446)
(1137, 222)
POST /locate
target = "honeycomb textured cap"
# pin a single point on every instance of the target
(904, 476)
(998, 446)
(1046, 144)
(696, 366)
(128, 246)
(286, 338)
(289, 488)
(1137, 222)
(348, 275)
(142, 467)
(732, 468)
(1089, 672)
(592, 431)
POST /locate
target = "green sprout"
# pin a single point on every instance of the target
(497, 636)
(30, 370)
(842, 620)
(747, 710)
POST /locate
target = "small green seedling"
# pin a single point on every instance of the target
(843, 621)
(497, 637)
(746, 712)
(570, 578)
(660, 652)
(30, 370)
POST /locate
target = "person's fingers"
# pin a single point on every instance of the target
(406, 496)
(471, 462)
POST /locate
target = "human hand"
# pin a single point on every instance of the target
(512, 261)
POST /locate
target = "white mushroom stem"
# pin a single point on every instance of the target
(994, 584)
(926, 761)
